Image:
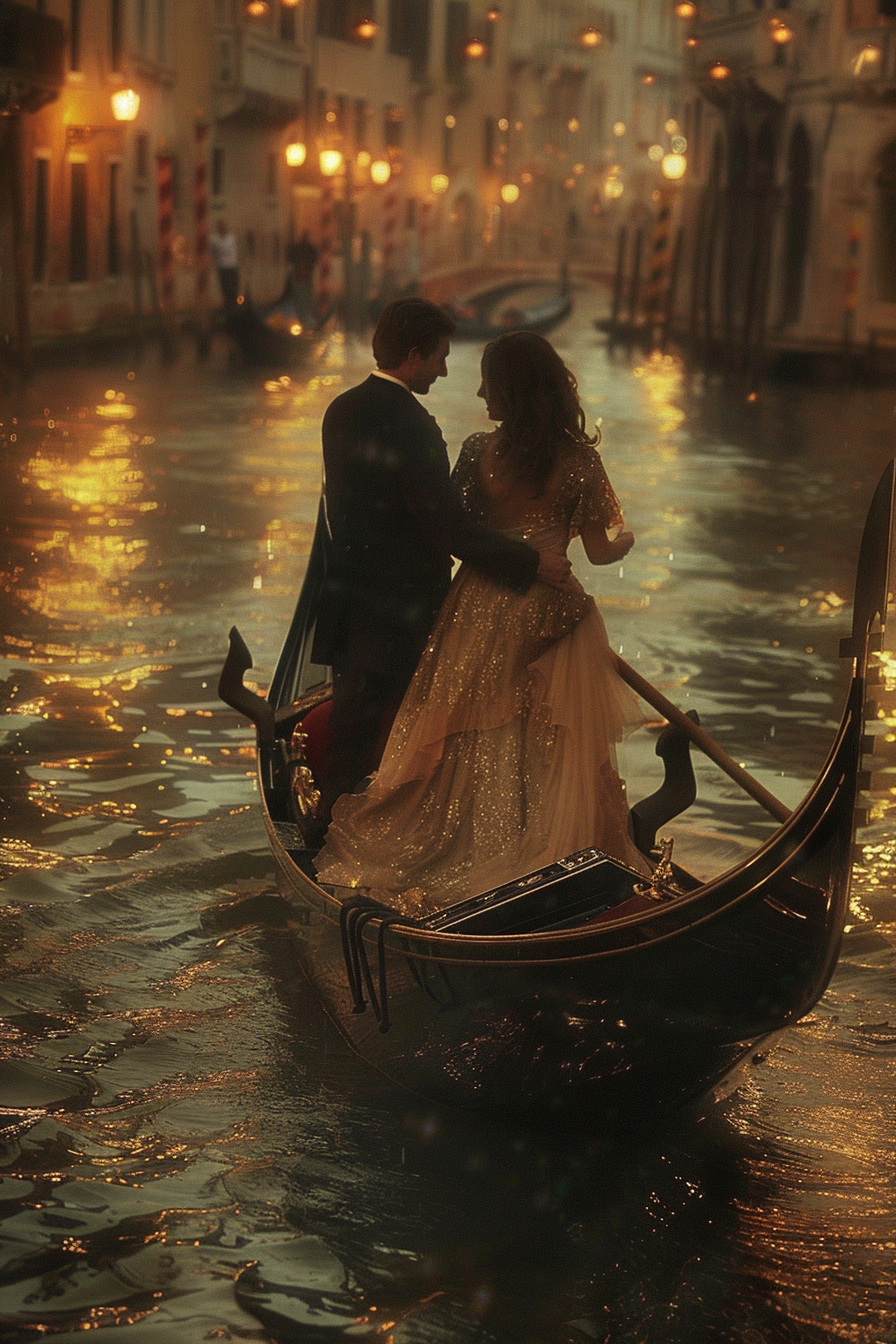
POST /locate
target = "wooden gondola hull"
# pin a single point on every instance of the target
(478, 319)
(622, 1014)
(648, 1013)
(655, 1026)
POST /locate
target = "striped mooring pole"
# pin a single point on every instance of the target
(660, 262)
(390, 225)
(165, 193)
(200, 217)
(851, 297)
(327, 244)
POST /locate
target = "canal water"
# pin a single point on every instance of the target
(190, 1152)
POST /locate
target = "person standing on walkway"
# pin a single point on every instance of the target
(223, 247)
(302, 258)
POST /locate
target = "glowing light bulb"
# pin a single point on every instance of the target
(125, 105)
(674, 166)
(296, 154)
(380, 172)
(330, 162)
(440, 183)
(510, 192)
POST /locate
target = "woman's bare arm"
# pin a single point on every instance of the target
(603, 550)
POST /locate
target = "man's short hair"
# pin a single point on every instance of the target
(406, 325)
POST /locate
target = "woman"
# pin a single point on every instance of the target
(501, 758)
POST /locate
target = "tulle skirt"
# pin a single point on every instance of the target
(501, 759)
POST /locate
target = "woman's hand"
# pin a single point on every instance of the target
(603, 550)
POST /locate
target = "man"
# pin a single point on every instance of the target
(302, 259)
(395, 522)
(224, 251)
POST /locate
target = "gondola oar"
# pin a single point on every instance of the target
(701, 739)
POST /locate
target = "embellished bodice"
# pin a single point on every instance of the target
(578, 494)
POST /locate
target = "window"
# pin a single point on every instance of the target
(409, 25)
(393, 126)
(143, 27)
(113, 235)
(489, 141)
(77, 223)
(360, 120)
(161, 32)
(457, 31)
(116, 34)
(448, 147)
(217, 171)
(340, 18)
(141, 155)
(40, 253)
(74, 35)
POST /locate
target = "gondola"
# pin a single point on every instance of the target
(580, 988)
(275, 335)
(517, 305)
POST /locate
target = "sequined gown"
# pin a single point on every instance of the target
(501, 758)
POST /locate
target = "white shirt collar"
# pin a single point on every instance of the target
(390, 378)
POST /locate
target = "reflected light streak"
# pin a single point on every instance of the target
(662, 379)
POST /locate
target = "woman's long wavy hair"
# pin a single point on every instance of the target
(538, 398)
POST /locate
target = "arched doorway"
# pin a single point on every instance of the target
(798, 213)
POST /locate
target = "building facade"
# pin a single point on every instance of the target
(789, 235)
(411, 139)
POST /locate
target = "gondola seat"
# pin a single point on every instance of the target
(316, 729)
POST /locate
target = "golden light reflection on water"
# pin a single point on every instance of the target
(92, 550)
(662, 377)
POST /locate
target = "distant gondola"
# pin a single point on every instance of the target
(278, 334)
(572, 989)
(517, 305)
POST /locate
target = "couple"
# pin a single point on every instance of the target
(490, 704)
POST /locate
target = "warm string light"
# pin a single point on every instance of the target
(719, 71)
(686, 9)
(367, 30)
(125, 105)
(380, 172)
(590, 37)
(256, 9)
(296, 154)
(475, 49)
(440, 183)
(330, 162)
(674, 166)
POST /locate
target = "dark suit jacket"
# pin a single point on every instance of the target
(396, 521)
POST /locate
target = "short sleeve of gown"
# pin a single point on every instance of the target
(597, 502)
(466, 480)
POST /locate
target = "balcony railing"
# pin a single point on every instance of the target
(32, 58)
(257, 78)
